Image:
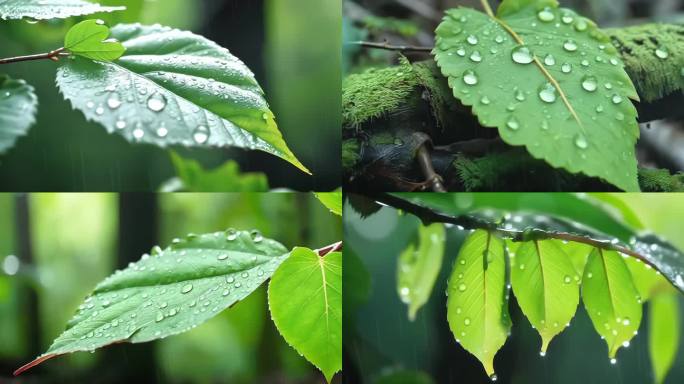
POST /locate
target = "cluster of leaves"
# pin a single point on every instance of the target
(549, 263)
(173, 290)
(150, 84)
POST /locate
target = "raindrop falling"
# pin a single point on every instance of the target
(156, 102)
(547, 93)
(469, 77)
(570, 46)
(522, 55)
(201, 134)
(589, 83)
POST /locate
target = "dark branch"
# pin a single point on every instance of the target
(54, 56)
(389, 47)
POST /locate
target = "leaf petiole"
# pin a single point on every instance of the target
(53, 55)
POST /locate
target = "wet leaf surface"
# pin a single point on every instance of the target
(49, 9)
(18, 107)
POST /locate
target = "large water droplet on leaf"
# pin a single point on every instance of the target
(469, 77)
(476, 56)
(201, 134)
(566, 68)
(522, 55)
(513, 123)
(589, 83)
(570, 46)
(581, 141)
(549, 60)
(472, 40)
(546, 15)
(547, 93)
(156, 102)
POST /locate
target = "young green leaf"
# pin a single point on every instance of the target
(18, 107)
(305, 297)
(332, 201)
(663, 334)
(170, 291)
(546, 286)
(173, 87)
(477, 308)
(645, 278)
(89, 39)
(611, 300)
(49, 9)
(549, 80)
(193, 178)
(419, 266)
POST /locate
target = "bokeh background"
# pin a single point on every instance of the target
(381, 346)
(55, 248)
(292, 46)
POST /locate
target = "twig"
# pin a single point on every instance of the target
(54, 56)
(329, 249)
(390, 47)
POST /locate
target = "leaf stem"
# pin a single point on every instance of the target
(390, 47)
(487, 8)
(329, 249)
(54, 56)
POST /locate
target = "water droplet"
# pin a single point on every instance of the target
(100, 111)
(499, 39)
(469, 77)
(567, 18)
(472, 40)
(547, 93)
(567, 279)
(493, 377)
(613, 361)
(581, 141)
(590, 275)
(156, 102)
(222, 256)
(186, 288)
(608, 85)
(599, 108)
(476, 56)
(519, 96)
(625, 321)
(466, 321)
(485, 100)
(160, 317)
(513, 124)
(589, 83)
(546, 15)
(544, 126)
(120, 124)
(617, 99)
(237, 285)
(256, 236)
(461, 52)
(570, 46)
(585, 63)
(114, 102)
(226, 292)
(201, 134)
(549, 60)
(581, 25)
(462, 287)
(566, 68)
(138, 133)
(230, 279)
(522, 55)
(542, 353)
(662, 53)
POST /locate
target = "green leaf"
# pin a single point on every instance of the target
(477, 305)
(173, 87)
(18, 107)
(193, 178)
(546, 286)
(89, 39)
(549, 80)
(170, 291)
(611, 300)
(646, 279)
(663, 334)
(49, 9)
(332, 200)
(305, 297)
(419, 266)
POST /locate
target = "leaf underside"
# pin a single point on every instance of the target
(418, 267)
(18, 107)
(558, 87)
(477, 307)
(173, 87)
(49, 9)
(171, 291)
(305, 298)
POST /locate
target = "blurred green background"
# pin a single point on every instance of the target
(55, 248)
(381, 344)
(292, 46)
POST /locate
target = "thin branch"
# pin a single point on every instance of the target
(433, 179)
(54, 56)
(389, 47)
(329, 249)
(427, 215)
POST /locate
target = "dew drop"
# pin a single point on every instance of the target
(613, 361)
(469, 77)
(581, 25)
(230, 279)
(599, 108)
(590, 275)
(461, 52)
(581, 143)
(476, 56)
(570, 46)
(462, 287)
(186, 288)
(513, 124)
(256, 236)
(499, 39)
(156, 102)
(160, 317)
(549, 60)
(201, 134)
(114, 102)
(522, 55)
(222, 256)
(485, 100)
(589, 83)
(100, 111)
(617, 99)
(567, 19)
(519, 96)
(546, 15)
(120, 124)
(547, 93)
(566, 68)
(472, 40)
(567, 279)
(466, 321)
(138, 133)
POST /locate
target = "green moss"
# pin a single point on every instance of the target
(351, 154)
(487, 173)
(438, 92)
(660, 180)
(376, 92)
(643, 49)
(401, 27)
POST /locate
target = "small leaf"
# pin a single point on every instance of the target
(546, 286)
(18, 107)
(611, 300)
(663, 334)
(476, 305)
(419, 266)
(645, 278)
(170, 291)
(49, 9)
(89, 39)
(332, 200)
(190, 92)
(305, 297)
(553, 81)
(193, 178)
